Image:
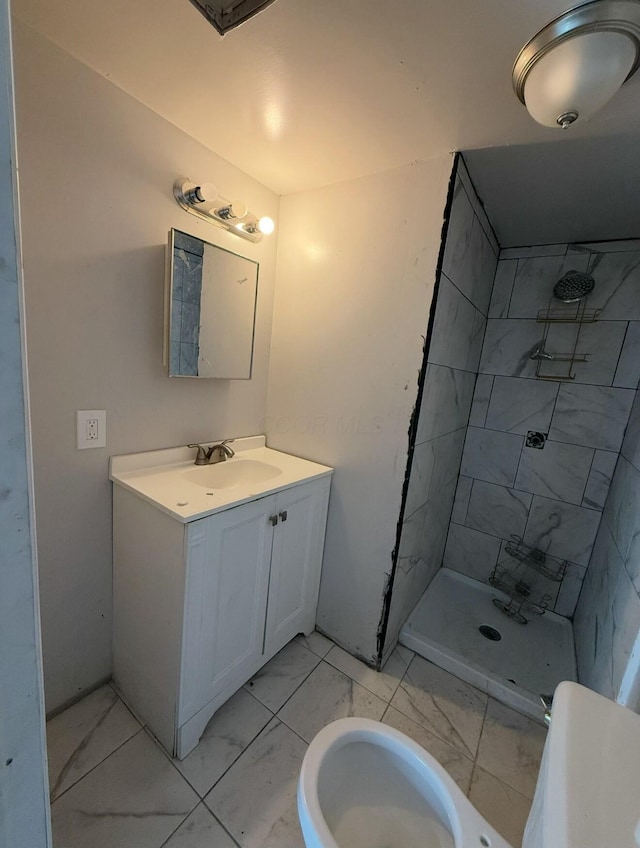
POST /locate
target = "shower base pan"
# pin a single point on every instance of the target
(526, 661)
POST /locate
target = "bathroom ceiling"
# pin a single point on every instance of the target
(586, 189)
(310, 93)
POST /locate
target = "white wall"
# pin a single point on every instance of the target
(24, 802)
(356, 269)
(97, 170)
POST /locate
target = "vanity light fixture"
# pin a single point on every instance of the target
(203, 201)
(577, 63)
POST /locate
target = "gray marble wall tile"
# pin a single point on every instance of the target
(602, 342)
(593, 416)
(557, 471)
(502, 288)
(619, 246)
(570, 590)
(628, 370)
(446, 466)
(508, 345)
(434, 535)
(471, 552)
(498, 510)
(562, 530)
(489, 232)
(456, 262)
(617, 277)
(491, 456)
(469, 258)
(453, 327)
(476, 341)
(410, 539)
(424, 455)
(446, 401)
(626, 624)
(535, 279)
(529, 251)
(463, 175)
(518, 405)
(483, 261)
(461, 502)
(593, 621)
(481, 397)
(622, 510)
(597, 489)
(631, 444)
(632, 562)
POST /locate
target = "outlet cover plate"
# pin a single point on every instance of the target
(91, 428)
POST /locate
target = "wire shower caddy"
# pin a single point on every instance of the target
(513, 577)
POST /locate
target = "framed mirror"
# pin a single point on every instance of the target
(212, 296)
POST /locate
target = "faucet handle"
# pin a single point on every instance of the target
(201, 457)
(229, 451)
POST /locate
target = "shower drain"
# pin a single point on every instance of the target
(490, 633)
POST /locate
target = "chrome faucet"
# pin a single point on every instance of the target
(216, 453)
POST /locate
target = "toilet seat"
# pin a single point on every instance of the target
(364, 784)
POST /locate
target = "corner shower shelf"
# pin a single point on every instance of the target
(513, 579)
(570, 314)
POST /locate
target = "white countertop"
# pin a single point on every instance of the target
(161, 477)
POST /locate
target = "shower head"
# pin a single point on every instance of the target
(573, 286)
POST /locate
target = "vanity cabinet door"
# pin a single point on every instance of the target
(228, 557)
(296, 562)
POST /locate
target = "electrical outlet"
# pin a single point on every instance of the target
(91, 428)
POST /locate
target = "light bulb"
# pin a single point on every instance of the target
(205, 193)
(266, 225)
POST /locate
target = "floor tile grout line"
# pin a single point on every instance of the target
(364, 686)
(172, 760)
(93, 768)
(251, 741)
(307, 675)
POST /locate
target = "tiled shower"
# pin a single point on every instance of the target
(503, 457)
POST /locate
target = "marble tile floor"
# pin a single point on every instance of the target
(113, 786)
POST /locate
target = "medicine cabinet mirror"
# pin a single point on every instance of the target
(212, 297)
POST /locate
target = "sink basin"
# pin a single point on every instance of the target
(231, 473)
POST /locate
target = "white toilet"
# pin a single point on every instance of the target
(366, 785)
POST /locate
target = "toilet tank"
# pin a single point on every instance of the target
(588, 791)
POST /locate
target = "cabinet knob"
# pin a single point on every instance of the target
(273, 519)
(283, 515)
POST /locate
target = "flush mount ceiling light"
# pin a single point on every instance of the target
(228, 14)
(203, 201)
(576, 64)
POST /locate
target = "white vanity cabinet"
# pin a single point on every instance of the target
(200, 606)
